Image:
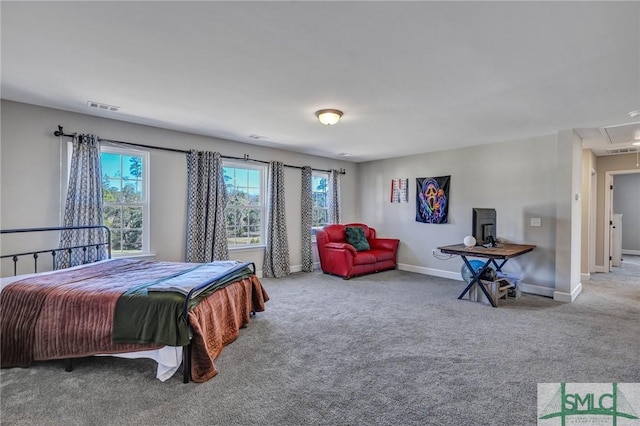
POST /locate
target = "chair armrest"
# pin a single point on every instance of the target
(384, 244)
(341, 246)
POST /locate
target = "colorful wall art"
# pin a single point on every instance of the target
(399, 190)
(432, 199)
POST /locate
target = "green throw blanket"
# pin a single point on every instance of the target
(153, 312)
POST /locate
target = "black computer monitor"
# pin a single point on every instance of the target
(484, 226)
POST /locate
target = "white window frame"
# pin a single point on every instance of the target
(145, 204)
(262, 204)
(324, 175)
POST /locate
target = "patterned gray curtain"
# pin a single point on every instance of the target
(276, 254)
(333, 195)
(306, 208)
(83, 205)
(207, 200)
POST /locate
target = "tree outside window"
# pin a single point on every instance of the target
(245, 205)
(125, 199)
(320, 211)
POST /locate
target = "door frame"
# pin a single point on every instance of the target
(608, 211)
(593, 207)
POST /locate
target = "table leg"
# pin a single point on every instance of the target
(475, 279)
(499, 267)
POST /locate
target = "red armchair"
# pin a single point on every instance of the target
(340, 258)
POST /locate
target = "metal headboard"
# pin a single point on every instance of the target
(35, 254)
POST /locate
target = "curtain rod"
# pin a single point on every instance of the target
(60, 132)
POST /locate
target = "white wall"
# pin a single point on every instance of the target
(568, 184)
(31, 173)
(589, 199)
(517, 178)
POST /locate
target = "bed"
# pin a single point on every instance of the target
(175, 313)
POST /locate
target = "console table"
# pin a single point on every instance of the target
(501, 252)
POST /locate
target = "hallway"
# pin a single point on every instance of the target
(627, 272)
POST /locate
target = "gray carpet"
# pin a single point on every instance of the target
(395, 348)
(627, 272)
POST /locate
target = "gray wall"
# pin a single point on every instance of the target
(626, 200)
(518, 178)
(515, 178)
(32, 159)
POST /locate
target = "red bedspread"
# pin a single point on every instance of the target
(70, 313)
(216, 322)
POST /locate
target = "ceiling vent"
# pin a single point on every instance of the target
(103, 107)
(622, 150)
(257, 137)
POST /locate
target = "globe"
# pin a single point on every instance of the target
(466, 273)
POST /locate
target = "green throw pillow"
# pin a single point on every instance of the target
(355, 237)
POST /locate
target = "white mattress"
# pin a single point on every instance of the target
(168, 358)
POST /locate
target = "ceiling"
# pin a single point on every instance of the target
(410, 77)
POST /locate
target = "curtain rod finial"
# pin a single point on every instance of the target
(61, 132)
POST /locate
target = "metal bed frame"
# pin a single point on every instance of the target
(85, 248)
(186, 350)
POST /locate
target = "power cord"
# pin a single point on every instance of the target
(442, 256)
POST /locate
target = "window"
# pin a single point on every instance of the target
(320, 212)
(125, 177)
(245, 207)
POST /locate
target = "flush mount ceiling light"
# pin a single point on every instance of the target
(329, 117)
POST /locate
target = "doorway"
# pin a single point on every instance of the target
(609, 230)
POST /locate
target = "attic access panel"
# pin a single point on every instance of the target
(620, 133)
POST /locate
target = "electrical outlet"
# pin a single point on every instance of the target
(433, 252)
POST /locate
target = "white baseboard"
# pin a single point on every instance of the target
(536, 289)
(524, 287)
(561, 296)
(292, 268)
(631, 252)
(430, 271)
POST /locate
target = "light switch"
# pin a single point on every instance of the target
(535, 221)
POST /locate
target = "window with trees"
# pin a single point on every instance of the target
(246, 204)
(320, 213)
(126, 201)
